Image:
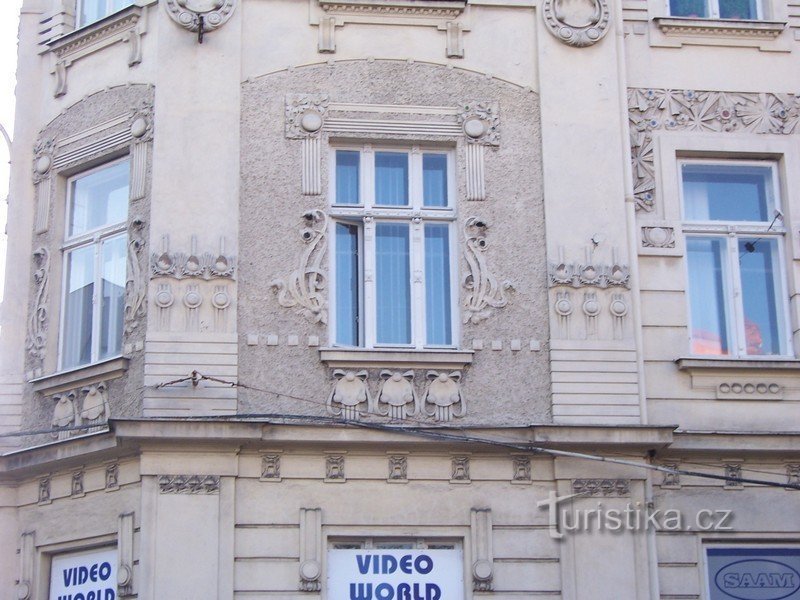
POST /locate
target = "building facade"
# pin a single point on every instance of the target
(440, 299)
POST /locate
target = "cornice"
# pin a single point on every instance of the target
(726, 28)
(416, 8)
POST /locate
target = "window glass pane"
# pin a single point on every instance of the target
(391, 178)
(347, 291)
(77, 345)
(94, 10)
(393, 289)
(347, 177)
(99, 199)
(758, 263)
(738, 9)
(394, 545)
(437, 285)
(688, 8)
(434, 179)
(727, 192)
(113, 257)
(707, 281)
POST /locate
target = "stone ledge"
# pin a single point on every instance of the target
(437, 8)
(344, 358)
(726, 28)
(690, 364)
(86, 375)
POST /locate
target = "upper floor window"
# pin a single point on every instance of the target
(717, 9)
(89, 11)
(393, 260)
(734, 245)
(95, 255)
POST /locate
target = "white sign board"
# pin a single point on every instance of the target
(753, 573)
(395, 575)
(90, 575)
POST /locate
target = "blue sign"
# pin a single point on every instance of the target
(755, 573)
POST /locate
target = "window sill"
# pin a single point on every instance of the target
(438, 8)
(81, 376)
(365, 358)
(725, 28)
(690, 364)
(759, 379)
(97, 32)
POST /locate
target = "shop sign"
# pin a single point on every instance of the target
(90, 575)
(754, 573)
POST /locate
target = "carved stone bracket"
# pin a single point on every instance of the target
(589, 273)
(651, 110)
(179, 265)
(37, 321)
(577, 23)
(443, 395)
(303, 287)
(141, 129)
(350, 396)
(135, 284)
(484, 291)
(396, 392)
(188, 484)
(602, 487)
(84, 406)
(482, 549)
(310, 549)
(200, 15)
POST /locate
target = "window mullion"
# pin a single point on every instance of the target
(736, 287)
(97, 298)
(369, 314)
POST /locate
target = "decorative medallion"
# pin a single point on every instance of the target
(578, 23)
(200, 16)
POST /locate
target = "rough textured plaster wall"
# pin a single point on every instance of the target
(124, 394)
(501, 387)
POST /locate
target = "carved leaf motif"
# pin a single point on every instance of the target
(303, 287)
(37, 322)
(484, 291)
(443, 394)
(135, 284)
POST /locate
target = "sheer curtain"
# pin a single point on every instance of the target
(391, 178)
(393, 285)
(437, 285)
(77, 345)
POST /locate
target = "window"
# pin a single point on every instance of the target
(716, 9)
(752, 572)
(734, 247)
(89, 11)
(392, 261)
(95, 252)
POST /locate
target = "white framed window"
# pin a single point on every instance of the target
(95, 262)
(752, 571)
(383, 543)
(89, 11)
(717, 9)
(393, 238)
(733, 225)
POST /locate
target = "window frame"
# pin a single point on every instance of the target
(91, 238)
(366, 215)
(712, 7)
(731, 232)
(110, 10)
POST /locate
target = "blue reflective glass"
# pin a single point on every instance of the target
(688, 8)
(391, 178)
(347, 177)
(392, 284)
(707, 295)
(347, 290)
(758, 259)
(434, 179)
(437, 285)
(738, 9)
(727, 192)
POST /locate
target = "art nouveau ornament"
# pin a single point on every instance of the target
(65, 414)
(349, 393)
(95, 408)
(578, 23)
(443, 394)
(201, 16)
(37, 322)
(397, 393)
(484, 291)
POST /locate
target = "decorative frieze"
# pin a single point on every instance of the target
(303, 287)
(74, 410)
(588, 273)
(350, 396)
(602, 487)
(396, 397)
(443, 399)
(652, 110)
(179, 265)
(484, 291)
(188, 484)
(749, 390)
(578, 24)
(38, 319)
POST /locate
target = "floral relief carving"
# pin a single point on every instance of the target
(303, 287)
(135, 285)
(350, 391)
(82, 407)
(397, 393)
(443, 394)
(398, 468)
(578, 23)
(305, 115)
(43, 158)
(188, 484)
(37, 321)
(589, 275)
(658, 237)
(179, 265)
(652, 110)
(141, 122)
(481, 123)
(484, 290)
(200, 15)
(602, 487)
